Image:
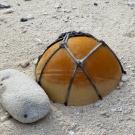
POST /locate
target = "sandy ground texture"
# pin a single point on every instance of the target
(112, 21)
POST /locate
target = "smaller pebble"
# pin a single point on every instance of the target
(57, 6)
(131, 4)
(98, 103)
(4, 5)
(53, 116)
(133, 74)
(35, 61)
(39, 41)
(67, 11)
(90, 15)
(119, 109)
(24, 31)
(30, 16)
(73, 126)
(24, 19)
(124, 78)
(120, 84)
(118, 87)
(113, 109)
(95, 4)
(133, 69)
(77, 113)
(5, 117)
(8, 11)
(43, 13)
(74, 7)
(65, 19)
(104, 112)
(24, 63)
(55, 16)
(71, 133)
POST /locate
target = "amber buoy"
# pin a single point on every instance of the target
(78, 69)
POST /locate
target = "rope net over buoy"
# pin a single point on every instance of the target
(78, 69)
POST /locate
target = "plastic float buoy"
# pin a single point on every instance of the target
(78, 69)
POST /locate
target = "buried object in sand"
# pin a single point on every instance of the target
(78, 69)
(22, 97)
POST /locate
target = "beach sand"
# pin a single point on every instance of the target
(112, 21)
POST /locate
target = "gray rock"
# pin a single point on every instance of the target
(22, 97)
